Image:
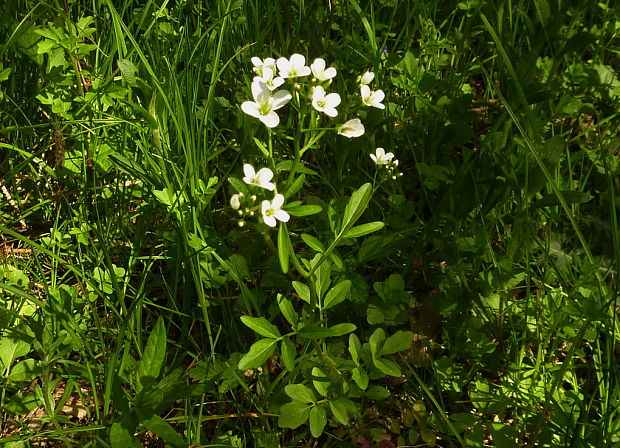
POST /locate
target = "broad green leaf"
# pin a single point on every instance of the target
(159, 426)
(284, 245)
(128, 71)
(304, 210)
(356, 205)
(387, 366)
(11, 349)
(398, 342)
(287, 165)
(164, 197)
(293, 415)
(153, 356)
(4, 73)
(337, 294)
(303, 291)
(258, 354)
(320, 381)
(378, 247)
(375, 341)
(316, 332)
(121, 432)
(295, 186)
(26, 370)
(262, 326)
(355, 347)
(360, 377)
(378, 393)
(318, 420)
(239, 185)
(312, 242)
(300, 392)
(289, 353)
(321, 277)
(287, 310)
(570, 196)
(339, 409)
(363, 229)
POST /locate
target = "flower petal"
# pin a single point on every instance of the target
(250, 108)
(280, 98)
(270, 120)
(281, 215)
(278, 201)
(298, 60)
(264, 175)
(329, 73)
(318, 66)
(333, 99)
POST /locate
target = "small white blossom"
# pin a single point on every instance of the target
(320, 72)
(382, 158)
(261, 65)
(273, 210)
(269, 80)
(265, 103)
(352, 128)
(261, 179)
(325, 103)
(293, 67)
(235, 201)
(366, 78)
(372, 98)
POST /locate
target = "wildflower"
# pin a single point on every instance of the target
(291, 68)
(382, 158)
(268, 78)
(264, 103)
(261, 179)
(372, 98)
(366, 78)
(235, 201)
(325, 103)
(261, 65)
(352, 128)
(320, 72)
(273, 210)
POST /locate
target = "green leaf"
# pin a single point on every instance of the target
(289, 353)
(287, 165)
(375, 341)
(360, 377)
(121, 432)
(287, 310)
(318, 420)
(153, 356)
(304, 210)
(398, 342)
(26, 370)
(293, 415)
(570, 196)
(262, 147)
(339, 409)
(316, 332)
(159, 426)
(128, 71)
(355, 347)
(337, 294)
(378, 393)
(303, 291)
(320, 381)
(313, 243)
(11, 349)
(387, 366)
(300, 392)
(356, 205)
(5, 73)
(284, 245)
(239, 185)
(258, 354)
(363, 229)
(262, 326)
(295, 186)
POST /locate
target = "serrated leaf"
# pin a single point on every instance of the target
(316, 332)
(304, 210)
(356, 205)
(318, 420)
(258, 354)
(398, 342)
(387, 366)
(313, 243)
(360, 377)
(295, 186)
(303, 291)
(300, 392)
(289, 353)
(262, 326)
(293, 415)
(152, 361)
(339, 410)
(375, 341)
(355, 347)
(320, 381)
(337, 294)
(363, 229)
(287, 310)
(284, 247)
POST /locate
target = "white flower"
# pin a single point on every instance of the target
(325, 103)
(267, 77)
(381, 158)
(372, 98)
(273, 210)
(352, 128)
(366, 78)
(291, 68)
(320, 72)
(260, 179)
(264, 103)
(261, 65)
(235, 201)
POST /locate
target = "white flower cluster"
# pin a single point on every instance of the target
(271, 74)
(387, 161)
(246, 205)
